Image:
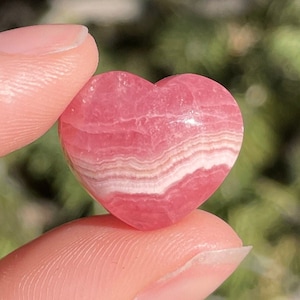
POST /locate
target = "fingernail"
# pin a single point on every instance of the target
(198, 277)
(42, 39)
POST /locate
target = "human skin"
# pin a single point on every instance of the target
(41, 69)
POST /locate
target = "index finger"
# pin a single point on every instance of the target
(41, 69)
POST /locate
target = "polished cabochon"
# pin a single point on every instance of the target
(151, 153)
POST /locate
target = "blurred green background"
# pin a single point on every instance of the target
(252, 47)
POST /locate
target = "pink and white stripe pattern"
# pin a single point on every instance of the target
(151, 153)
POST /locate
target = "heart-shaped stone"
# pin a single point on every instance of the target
(151, 153)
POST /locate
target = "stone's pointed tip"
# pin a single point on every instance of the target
(151, 153)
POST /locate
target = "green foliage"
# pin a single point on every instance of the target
(255, 53)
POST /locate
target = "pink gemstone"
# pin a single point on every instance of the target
(151, 153)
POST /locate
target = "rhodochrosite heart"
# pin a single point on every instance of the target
(151, 153)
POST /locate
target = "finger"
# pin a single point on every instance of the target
(41, 70)
(102, 258)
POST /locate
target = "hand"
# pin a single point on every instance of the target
(41, 70)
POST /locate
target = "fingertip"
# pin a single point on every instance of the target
(36, 88)
(103, 256)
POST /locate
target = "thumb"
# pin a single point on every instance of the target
(102, 258)
(41, 69)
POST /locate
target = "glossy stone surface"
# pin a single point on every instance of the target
(151, 153)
